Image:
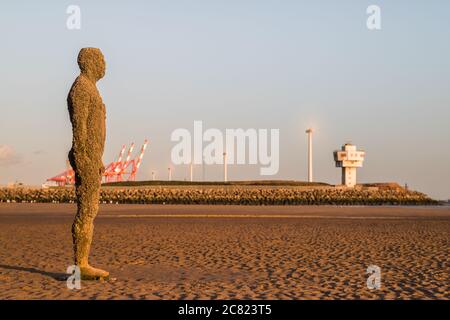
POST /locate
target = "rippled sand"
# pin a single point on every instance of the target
(221, 252)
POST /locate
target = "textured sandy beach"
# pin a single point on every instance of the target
(230, 252)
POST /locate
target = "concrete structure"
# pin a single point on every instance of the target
(310, 170)
(348, 158)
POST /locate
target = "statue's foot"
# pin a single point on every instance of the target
(90, 273)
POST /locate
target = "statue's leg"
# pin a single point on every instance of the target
(87, 189)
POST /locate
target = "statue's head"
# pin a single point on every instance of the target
(92, 63)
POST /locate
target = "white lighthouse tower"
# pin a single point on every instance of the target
(348, 158)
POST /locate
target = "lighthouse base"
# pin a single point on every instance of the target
(349, 176)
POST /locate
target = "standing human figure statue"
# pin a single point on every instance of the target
(88, 115)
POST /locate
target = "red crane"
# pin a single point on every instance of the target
(67, 177)
(113, 166)
(137, 163)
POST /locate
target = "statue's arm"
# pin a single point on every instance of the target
(79, 102)
(103, 132)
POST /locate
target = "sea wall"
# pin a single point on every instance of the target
(229, 195)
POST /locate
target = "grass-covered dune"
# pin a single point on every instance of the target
(231, 194)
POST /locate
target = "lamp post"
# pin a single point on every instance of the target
(310, 167)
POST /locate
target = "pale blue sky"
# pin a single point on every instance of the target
(248, 64)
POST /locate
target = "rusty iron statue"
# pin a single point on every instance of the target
(88, 115)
